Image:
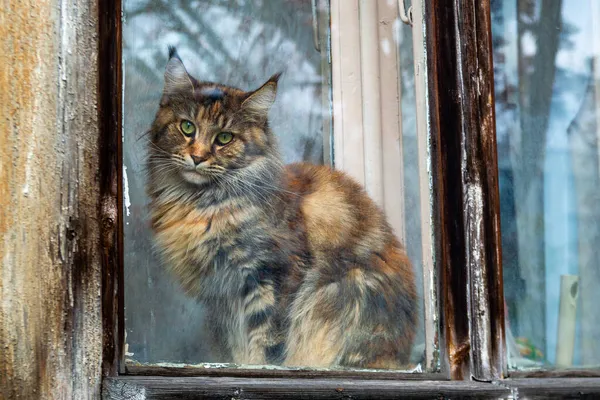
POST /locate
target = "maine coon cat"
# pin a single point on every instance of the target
(295, 264)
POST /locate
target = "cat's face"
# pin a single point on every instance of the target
(204, 131)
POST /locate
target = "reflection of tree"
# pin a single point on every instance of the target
(538, 22)
(257, 45)
(238, 42)
(584, 138)
(536, 78)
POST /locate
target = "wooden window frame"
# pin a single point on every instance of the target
(456, 77)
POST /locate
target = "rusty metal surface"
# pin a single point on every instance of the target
(50, 329)
(465, 174)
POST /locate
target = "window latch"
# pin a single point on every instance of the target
(405, 15)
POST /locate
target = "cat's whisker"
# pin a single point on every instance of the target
(163, 164)
(166, 160)
(164, 169)
(163, 160)
(159, 149)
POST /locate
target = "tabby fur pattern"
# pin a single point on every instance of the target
(296, 265)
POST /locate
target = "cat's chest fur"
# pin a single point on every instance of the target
(212, 250)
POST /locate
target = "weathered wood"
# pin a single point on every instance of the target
(557, 388)
(278, 373)
(50, 328)
(480, 188)
(111, 185)
(147, 388)
(465, 178)
(555, 373)
(449, 248)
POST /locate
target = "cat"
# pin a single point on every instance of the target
(296, 265)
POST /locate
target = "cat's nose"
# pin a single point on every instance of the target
(198, 159)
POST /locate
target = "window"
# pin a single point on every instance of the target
(334, 106)
(423, 153)
(546, 62)
(487, 111)
(239, 44)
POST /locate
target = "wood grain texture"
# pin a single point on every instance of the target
(449, 246)
(556, 373)
(111, 185)
(147, 388)
(144, 370)
(50, 330)
(556, 388)
(465, 174)
(480, 188)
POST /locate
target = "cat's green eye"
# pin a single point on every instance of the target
(187, 127)
(223, 138)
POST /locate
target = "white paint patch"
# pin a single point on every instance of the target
(126, 191)
(27, 172)
(397, 32)
(385, 46)
(416, 369)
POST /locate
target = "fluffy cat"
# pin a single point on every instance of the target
(295, 264)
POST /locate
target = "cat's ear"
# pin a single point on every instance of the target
(177, 78)
(259, 102)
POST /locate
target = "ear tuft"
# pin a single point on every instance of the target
(275, 77)
(259, 102)
(177, 78)
(173, 52)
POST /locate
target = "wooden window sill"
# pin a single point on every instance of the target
(161, 387)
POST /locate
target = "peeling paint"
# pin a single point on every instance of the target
(28, 168)
(126, 191)
(416, 370)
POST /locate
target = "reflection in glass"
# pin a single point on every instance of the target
(238, 43)
(241, 43)
(547, 87)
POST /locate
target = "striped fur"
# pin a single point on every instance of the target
(296, 265)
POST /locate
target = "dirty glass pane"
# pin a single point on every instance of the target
(242, 43)
(425, 347)
(546, 59)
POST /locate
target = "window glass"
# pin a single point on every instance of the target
(242, 43)
(547, 90)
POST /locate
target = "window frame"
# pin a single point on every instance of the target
(454, 80)
(460, 90)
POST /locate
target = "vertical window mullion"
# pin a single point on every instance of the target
(480, 189)
(111, 187)
(428, 190)
(461, 126)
